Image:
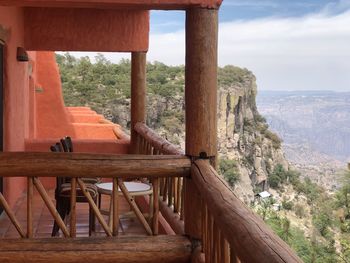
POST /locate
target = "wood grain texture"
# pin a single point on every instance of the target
(134, 207)
(155, 212)
(115, 207)
(11, 215)
(138, 94)
(249, 236)
(172, 218)
(49, 204)
(73, 204)
(26, 164)
(30, 188)
(158, 143)
(201, 81)
(153, 249)
(94, 208)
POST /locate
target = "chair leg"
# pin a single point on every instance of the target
(99, 200)
(61, 208)
(92, 219)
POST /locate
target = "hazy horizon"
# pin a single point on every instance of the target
(296, 45)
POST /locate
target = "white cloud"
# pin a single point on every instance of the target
(311, 52)
(252, 3)
(337, 7)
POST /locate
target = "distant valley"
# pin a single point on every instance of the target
(315, 128)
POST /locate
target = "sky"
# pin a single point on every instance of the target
(288, 45)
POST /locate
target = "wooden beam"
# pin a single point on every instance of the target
(201, 81)
(73, 205)
(11, 215)
(201, 100)
(172, 218)
(49, 204)
(26, 164)
(30, 188)
(94, 207)
(159, 143)
(248, 235)
(138, 94)
(134, 207)
(140, 249)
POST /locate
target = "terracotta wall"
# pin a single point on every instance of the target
(69, 29)
(16, 92)
(34, 112)
(136, 4)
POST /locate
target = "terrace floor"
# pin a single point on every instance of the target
(43, 221)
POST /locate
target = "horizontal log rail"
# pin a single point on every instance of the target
(26, 164)
(75, 165)
(124, 249)
(171, 194)
(231, 231)
(157, 142)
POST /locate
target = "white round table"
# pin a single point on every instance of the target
(134, 189)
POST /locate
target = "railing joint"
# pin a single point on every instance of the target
(195, 243)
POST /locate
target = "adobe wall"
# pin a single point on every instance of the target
(69, 29)
(135, 4)
(16, 93)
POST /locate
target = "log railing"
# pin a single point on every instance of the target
(231, 232)
(171, 191)
(77, 165)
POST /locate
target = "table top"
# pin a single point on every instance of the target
(133, 188)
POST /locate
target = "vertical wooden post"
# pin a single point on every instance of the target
(73, 212)
(201, 100)
(30, 187)
(138, 94)
(115, 207)
(155, 211)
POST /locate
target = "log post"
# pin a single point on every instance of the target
(138, 94)
(201, 100)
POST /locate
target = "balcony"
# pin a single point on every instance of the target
(210, 223)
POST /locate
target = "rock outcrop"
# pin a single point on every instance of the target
(243, 134)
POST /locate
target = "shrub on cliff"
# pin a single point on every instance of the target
(276, 141)
(228, 168)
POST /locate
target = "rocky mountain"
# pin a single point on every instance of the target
(243, 134)
(250, 154)
(248, 150)
(314, 126)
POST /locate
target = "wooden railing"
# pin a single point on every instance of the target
(171, 191)
(77, 165)
(230, 231)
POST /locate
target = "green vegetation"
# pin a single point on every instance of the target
(103, 84)
(280, 176)
(276, 141)
(287, 205)
(228, 168)
(231, 74)
(309, 250)
(322, 207)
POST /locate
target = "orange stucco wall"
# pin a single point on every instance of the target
(72, 29)
(90, 131)
(139, 4)
(34, 111)
(15, 93)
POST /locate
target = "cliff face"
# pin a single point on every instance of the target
(243, 136)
